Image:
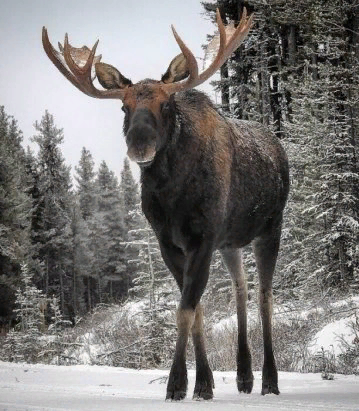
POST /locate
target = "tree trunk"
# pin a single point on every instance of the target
(47, 276)
(62, 293)
(264, 85)
(225, 89)
(89, 302)
(152, 283)
(99, 287)
(275, 95)
(292, 46)
(74, 291)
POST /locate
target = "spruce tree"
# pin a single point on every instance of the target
(86, 183)
(53, 204)
(80, 259)
(15, 211)
(130, 201)
(297, 73)
(155, 286)
(23, 343)
(83, 210)
(107, 237)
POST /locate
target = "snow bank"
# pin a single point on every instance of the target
(332, 335)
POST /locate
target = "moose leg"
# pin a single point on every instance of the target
(174, 259)
(266, 251)
(195, 278)
(204, 377)
(233, 261)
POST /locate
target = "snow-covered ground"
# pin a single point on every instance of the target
(331, 337)
(51, 388)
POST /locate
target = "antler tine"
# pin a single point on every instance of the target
(80, 77)
(191, 59)
(78, 71)
(241, 32)
(52, 54)
(224, 51)
(216, 63)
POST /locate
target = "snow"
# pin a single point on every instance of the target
(89, 350)
(26, 387)
(331, 336)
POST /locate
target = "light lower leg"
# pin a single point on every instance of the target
(204, 377)
(177, 382)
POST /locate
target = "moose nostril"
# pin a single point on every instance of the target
(141, 131)
(141, 135)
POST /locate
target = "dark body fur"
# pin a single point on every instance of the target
(227, 186)
(213, 183)
(207, 183)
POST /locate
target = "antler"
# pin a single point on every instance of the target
(226, 48)
(79, 76)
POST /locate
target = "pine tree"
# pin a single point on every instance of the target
(106, 239)
(86, 184)
(23, 343)
(53, 204)
(80, 259)
(152, 280)
(325, 166)
(82, 213)
(14, 202)
(297, 72)
(130, 201)
(129, 194)
(57, 326)
(15, 211)
(155, 286)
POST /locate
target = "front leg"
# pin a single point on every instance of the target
(195, 277)
(204, 377)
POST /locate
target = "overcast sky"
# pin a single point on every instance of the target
(135, 37)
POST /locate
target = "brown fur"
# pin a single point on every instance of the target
(207, 183)
(185, 319)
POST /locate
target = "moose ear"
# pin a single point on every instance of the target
(177, 70)
(110, 78)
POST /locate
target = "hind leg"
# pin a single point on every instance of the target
(266, 251)
(233, 261)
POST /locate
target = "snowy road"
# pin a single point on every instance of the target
(80, 388)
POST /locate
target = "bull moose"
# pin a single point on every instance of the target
(207, 182)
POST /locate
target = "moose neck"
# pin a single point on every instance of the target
(167, 171)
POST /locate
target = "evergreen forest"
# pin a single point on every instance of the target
(72, 241)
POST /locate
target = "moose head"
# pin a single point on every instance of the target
(148, 105)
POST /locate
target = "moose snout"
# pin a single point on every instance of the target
(141, 144)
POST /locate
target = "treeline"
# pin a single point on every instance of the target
(74, 240)
(297, 73)
(88, 243)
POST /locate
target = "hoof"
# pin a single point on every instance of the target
(268, 388)
(175, 395)
(203, 392)
(177, 385)
(245, 386)
(245, 383)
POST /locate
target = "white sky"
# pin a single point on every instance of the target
(135, 36)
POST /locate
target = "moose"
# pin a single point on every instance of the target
(207, 183)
